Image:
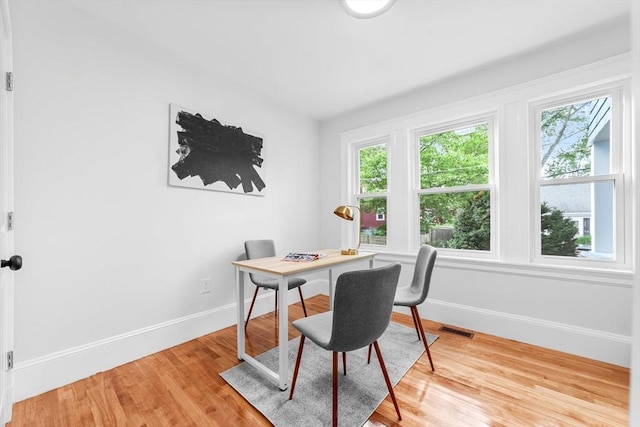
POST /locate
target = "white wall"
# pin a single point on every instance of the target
(113, 256)
(584, 314)
(634, 396)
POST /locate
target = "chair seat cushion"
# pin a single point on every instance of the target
(317, 327)
(405, 296)
(269, 283)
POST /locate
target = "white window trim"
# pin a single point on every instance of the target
(487, 117)
(355, 196)
(618, 91)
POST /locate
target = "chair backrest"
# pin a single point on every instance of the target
(259, 249)
(362, 306)
(422, 273)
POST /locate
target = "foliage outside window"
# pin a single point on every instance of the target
(576, 186)
(454, 195)
(372, 198)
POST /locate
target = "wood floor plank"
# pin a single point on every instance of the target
(479, 381)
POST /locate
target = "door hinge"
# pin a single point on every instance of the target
(9, 221)
(10, 360)
(9, 81)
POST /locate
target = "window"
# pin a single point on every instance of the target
(454, 188)
(538, 175)
(372, 193)
(579, 186)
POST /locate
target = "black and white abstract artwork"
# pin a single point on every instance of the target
(206, 154)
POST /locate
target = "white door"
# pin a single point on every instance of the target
(6, 206)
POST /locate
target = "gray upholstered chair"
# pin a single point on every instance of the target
(415, 294)
(361, 313)
(263, 249)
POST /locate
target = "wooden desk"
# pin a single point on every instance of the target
(276, 268)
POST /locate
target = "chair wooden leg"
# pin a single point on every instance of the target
(344, 362)
(369, 355)
(414, 310)
(304, 309)
(253, 301)
(386, 379)
(334, 416)
(295, 371)
(415, 322)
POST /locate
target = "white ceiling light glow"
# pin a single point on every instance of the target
(366, 8)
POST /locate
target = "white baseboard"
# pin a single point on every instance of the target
(589, 343)
(39, 375)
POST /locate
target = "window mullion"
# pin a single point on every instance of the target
(580, 179)
(462, 189)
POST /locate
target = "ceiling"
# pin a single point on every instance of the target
(309, 55)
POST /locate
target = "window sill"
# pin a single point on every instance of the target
(605, 277)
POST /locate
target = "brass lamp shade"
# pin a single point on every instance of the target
(346, 212)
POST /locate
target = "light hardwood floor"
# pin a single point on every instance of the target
(482, 381)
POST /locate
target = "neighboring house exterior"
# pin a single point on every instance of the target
(573, 201)
(590, 205)
(602, 233)
(371, 221)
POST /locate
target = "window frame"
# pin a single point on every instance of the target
(452, 125)
(355, 197)
(617, 92)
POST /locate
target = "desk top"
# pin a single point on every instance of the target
(276, 265)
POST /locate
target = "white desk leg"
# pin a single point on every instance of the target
(240, 301)
(371, 263)
(330, 289)
(283, 333)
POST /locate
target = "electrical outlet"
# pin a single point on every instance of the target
(205, 286)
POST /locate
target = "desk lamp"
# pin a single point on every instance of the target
(346, 212)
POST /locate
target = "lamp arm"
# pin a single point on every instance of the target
(357, 225)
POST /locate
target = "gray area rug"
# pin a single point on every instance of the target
(360, 392)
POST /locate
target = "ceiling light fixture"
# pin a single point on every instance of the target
(366, 8)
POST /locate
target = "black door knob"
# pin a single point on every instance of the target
(14, 263)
